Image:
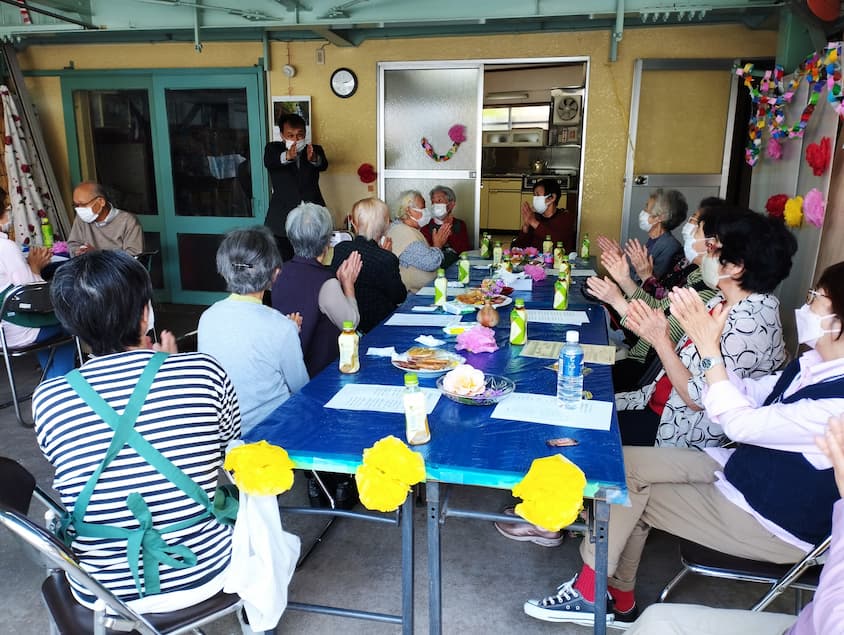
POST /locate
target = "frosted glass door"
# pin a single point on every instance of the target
(426, 101)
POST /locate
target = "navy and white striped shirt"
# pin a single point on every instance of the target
(189, 416)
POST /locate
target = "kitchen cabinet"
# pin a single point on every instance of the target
(500, 202)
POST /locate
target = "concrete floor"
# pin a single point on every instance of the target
(486, 578)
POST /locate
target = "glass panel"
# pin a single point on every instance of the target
(209, 141)
(427, 103)
(495, 119)
(152, 242)
(464, 191)
(532, 116)
(197, 262)
(115, 145)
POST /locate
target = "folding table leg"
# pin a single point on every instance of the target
(600, 531)
(434, 560)
(407, 565)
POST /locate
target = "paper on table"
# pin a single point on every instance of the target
(424, 308)
(410, 319)
(542, 349)
(480, 263)
(583, 272)
(557, 317)
(386, 351)
(522, 284)
(378, 398)
(594, 354)
(546, 409)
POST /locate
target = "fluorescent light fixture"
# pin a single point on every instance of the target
(510, 95)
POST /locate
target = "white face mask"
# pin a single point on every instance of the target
(689, 230)
(644, 221)
(301, 144)
(150, 317)
(86, 214)
(539, 204)
(689, 250)
(709, 269)
(439, 210)
(425, 218)
(809, 328)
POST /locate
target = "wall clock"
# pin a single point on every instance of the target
(344, 82)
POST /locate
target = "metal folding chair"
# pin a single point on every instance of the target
(29, 305)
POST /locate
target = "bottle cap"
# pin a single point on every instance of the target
(498, 243)
(440, 272)
(520, 302)
(411, 379)
(348, 325)
(464, 256)
(559, 243)
(548, 237)
(572, 337)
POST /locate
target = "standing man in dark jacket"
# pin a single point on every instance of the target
(294, 168)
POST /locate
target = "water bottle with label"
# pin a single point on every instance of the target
(570, 372)
(415, 411)
(46, 232)
(561, 293)
(548, 245)
(463, 269)
(518, 323)
(347, 344)
(485, 252)
(559, 252)
(584, 247)
(440, 288)
(497, 251)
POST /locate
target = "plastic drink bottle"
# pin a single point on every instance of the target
(496, 254)
(506, 265)
(584, 247)
(565, 268)
(558, 254)
(547, 245)
(485, 246)
(348, 345)
(46, 232)
(570, 372)
(518, 323)
(415, 412)
(440, 287)
(561, 293)
(463, 269)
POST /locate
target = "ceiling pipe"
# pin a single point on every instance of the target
(618, 33)
(197, 44)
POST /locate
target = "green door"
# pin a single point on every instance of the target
(176, 148)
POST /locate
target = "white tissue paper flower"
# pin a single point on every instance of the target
(465, 381)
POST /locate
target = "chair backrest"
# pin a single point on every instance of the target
(145, 258)
(16, 485)
(339, 237)
(28, 305)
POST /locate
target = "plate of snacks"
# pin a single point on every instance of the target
(427, 361)
(476, 298)
(472, 387)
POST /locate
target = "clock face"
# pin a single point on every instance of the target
(344, 82)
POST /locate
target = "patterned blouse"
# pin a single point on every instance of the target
(752, 346)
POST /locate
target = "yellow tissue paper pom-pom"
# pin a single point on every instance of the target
(395, 459)
(260, 469)
(793, 213)
(552, 491)
(378, 491)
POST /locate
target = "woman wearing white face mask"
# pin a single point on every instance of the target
(544, 218)
(418, 261)
(443, 202)
(665, 210)
(746, 257)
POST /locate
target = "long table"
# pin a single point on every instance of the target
(467, 447)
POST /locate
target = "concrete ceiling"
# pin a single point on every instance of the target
(350, 22)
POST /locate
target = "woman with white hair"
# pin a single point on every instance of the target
(258, 347)
(379, 288)
(419, 262)
(308, 287)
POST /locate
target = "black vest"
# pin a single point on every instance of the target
(783, 486)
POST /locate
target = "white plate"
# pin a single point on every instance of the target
(454, 361)
(506, 300)
(458, 328)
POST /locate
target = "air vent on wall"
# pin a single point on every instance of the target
(567, 107)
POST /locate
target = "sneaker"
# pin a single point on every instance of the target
(625, 620)
(525, 532)
(566, 605)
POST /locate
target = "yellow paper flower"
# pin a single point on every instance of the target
(794, 211)
(260, 469)
(552, 491)
(388, 470)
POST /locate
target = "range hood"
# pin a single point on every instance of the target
(528, 85)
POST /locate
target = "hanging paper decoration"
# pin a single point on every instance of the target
(776, 205)
(367, 173)
(774, 149)
(818, 156)
(814, 207)
(793, 212)
(552, 491)
(260, 469)
(388, 470)
(457, 134)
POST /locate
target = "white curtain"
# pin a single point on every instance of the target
(28, 192)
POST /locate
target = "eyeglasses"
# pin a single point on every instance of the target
(812, 294)
(75, 204)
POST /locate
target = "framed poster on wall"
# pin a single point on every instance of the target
(292, 104)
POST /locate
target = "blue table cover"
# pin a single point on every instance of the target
(467, 446)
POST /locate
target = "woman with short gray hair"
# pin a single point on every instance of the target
(262, 355)
(310, 288)
(665, 210)
(419, 262)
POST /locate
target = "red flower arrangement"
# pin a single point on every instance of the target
(367, 173)
(818, 155)
(776, 205)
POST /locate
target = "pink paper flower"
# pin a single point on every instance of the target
(478, 339)
(814, 207)
(774, 149)
(457, 133)
(535, 272)
(60, 248)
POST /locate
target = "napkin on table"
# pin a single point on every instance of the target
(387, 351)
(429, 340)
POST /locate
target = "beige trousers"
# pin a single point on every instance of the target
(691, 619)
(673, 489)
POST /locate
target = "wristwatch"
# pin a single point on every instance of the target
(708, 363)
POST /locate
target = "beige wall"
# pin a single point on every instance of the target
(347, 127)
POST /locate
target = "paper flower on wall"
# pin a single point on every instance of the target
(793, 213)
(367, 173)
(552, 492)
(774, 149)
(818, 155)
(260, 469)
(776, 205)
(814, 207)
(388, 470)
(457, 134)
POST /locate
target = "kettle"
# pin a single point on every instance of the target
(539, 166)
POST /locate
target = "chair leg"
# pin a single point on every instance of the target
(673, 583)
(13, 386)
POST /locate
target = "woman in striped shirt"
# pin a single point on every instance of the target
(189, 415)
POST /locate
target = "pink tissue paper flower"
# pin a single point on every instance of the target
(814, 207)
(60, 248)
(457, 133)
(774, 149)
(478, 339)
(535, 272)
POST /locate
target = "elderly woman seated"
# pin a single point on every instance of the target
(186, 412)
(379, 288)
(419, 262)
(308, 287)
(258, 347)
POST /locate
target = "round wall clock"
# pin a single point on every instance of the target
(344, 82)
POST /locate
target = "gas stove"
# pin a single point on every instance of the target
(565, 181)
